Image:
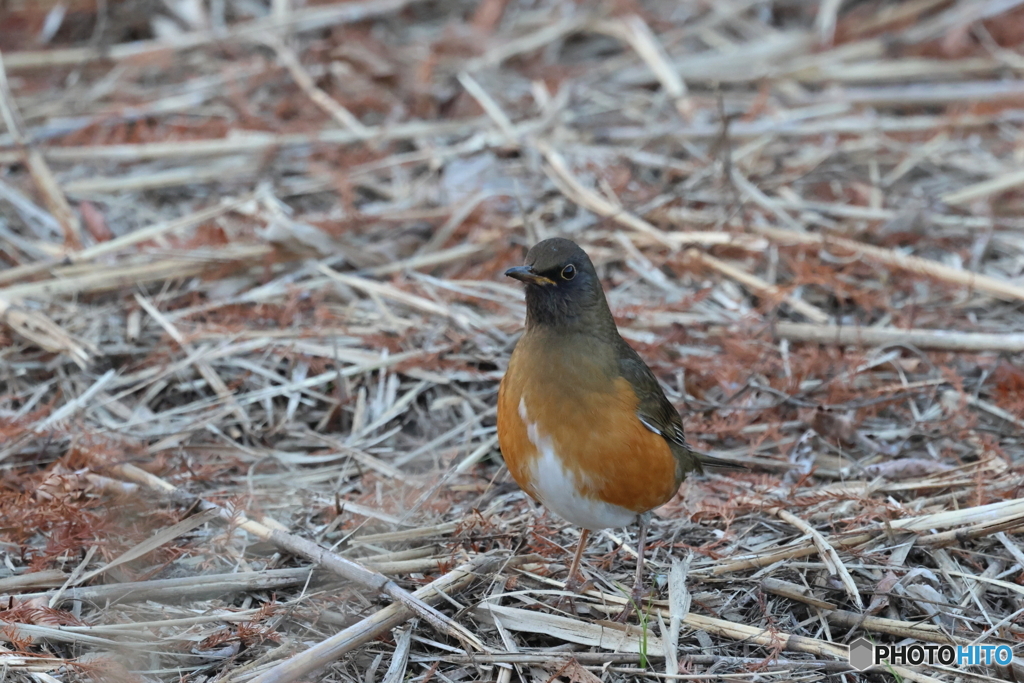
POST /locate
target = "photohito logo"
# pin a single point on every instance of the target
(864, 654)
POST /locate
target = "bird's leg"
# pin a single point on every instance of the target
(574, 581)
(637, 595)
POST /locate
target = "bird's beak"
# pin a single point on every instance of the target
(528, 275)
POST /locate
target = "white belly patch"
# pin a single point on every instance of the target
(557, 488)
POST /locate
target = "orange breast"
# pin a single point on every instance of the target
(588, 421)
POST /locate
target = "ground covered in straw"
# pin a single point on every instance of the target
(254, 321)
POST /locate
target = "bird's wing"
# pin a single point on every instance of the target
(658, 414)
(654, 409)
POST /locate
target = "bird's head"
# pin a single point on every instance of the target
(562, 287)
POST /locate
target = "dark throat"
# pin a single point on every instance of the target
(578, 312)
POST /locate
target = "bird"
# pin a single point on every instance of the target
(583, 425)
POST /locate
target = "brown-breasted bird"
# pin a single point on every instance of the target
(583, 424)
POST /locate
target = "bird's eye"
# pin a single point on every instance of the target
(569, 272)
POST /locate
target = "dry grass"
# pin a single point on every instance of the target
(253, 322)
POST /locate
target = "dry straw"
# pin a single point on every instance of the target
(253, 323)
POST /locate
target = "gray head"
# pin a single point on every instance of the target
(562, 287)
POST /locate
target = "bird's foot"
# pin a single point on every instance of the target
(636, 603)
(574, 585)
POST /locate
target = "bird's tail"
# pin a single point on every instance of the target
(706, 460)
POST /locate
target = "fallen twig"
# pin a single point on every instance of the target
(328, 650)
